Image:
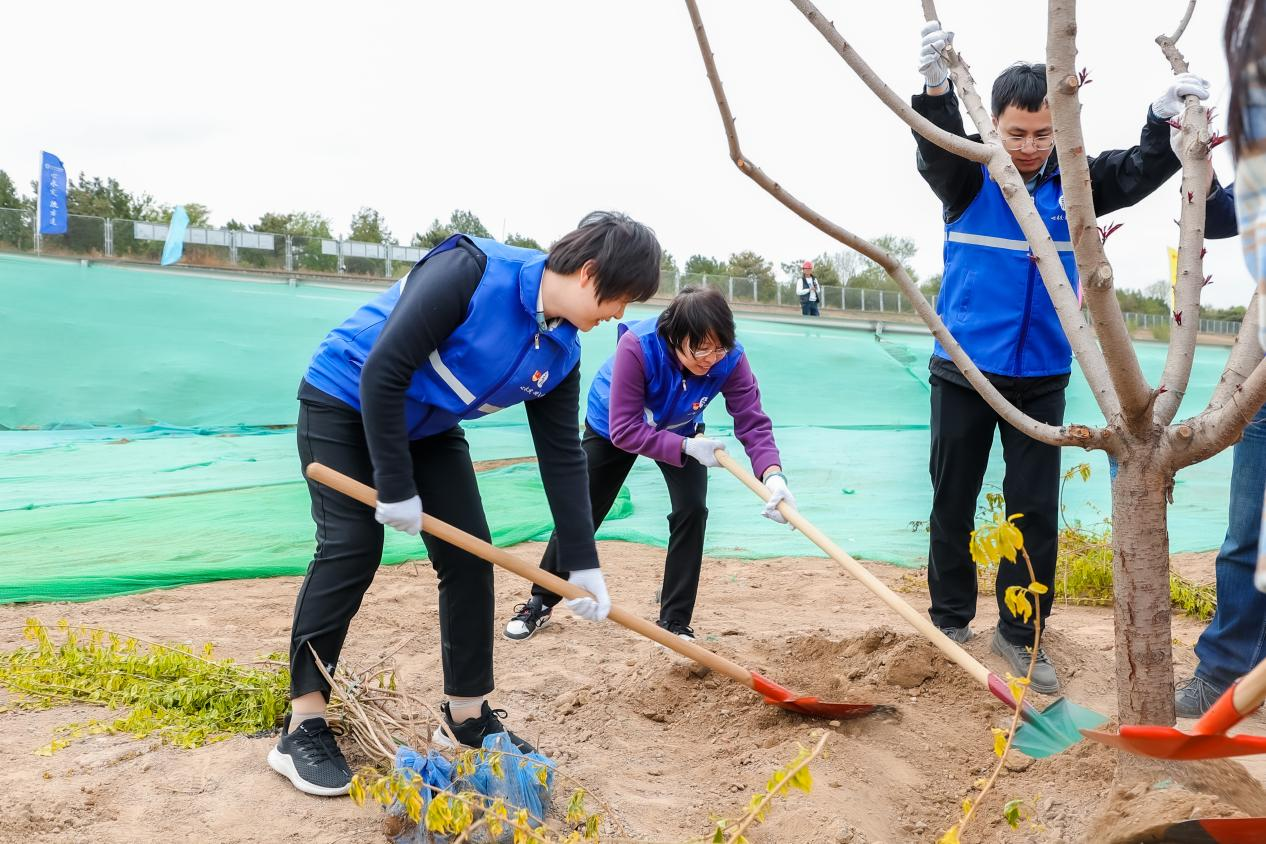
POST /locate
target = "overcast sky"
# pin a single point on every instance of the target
(531, 114)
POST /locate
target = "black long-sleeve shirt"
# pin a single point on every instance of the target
(1119, 178)
(435, 301)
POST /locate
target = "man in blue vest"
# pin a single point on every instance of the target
(475, 327)
(994, 303)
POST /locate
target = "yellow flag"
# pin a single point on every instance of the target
(1173, 279)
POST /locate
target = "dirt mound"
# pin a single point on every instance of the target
(663, 750)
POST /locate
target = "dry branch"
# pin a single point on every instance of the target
(1071, 435)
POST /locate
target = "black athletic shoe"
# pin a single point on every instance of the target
(528, 618)
(471, 732)
(677, 629)
(309, 757)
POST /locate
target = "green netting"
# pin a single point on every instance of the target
(154, 457)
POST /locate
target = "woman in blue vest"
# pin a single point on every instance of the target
(649, 399)
(475, 327)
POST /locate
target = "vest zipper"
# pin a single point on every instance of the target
(483, 399)
(536, 341)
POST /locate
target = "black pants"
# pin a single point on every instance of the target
(349, 549)
(687, 521)
(808, 308)
(962, 435)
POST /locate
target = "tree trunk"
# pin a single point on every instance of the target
(1140, 577)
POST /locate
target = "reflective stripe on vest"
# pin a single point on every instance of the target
(1002, 242)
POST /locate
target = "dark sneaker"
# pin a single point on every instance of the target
(962, 635)
(472, 731)
(309, 757)
(677, 629)
(528, 618)
(1193, 697)
(1044, 681)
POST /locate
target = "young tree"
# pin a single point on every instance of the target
(459, 221)
(873, 277)
(368, 226)
(515, 239)
(703, 265)
(748, 264)
(1139, 431)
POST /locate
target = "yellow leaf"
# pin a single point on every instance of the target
(999, 741)
(950, 836)
(1038, 588)
(966, 805)
(1018, 603)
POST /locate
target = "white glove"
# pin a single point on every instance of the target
(777, 485)
(1170, 104)
(931, 54)
(403, 515)
(702, 449)
(592, 581)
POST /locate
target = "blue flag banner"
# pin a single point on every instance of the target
(175, 245)
(52, 192)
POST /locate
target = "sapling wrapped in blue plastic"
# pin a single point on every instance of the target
(435, 772)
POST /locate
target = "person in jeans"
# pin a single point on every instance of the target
(475, 327)
(1235, 640)
(648, 399)
(997, 307)
(809, 291)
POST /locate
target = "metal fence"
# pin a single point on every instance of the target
(135, 240)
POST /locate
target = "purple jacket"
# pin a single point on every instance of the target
(630, 431)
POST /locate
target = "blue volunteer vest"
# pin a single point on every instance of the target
(992, 298)
(675, 399)
(496, 358)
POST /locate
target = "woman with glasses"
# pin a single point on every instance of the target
(648, 399)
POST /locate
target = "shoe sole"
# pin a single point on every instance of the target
(284, 765)
(532, 632)
(1037, 687)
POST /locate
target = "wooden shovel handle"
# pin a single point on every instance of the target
(454, 536)
(944, 643)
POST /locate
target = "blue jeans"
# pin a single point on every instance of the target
(1235, 641)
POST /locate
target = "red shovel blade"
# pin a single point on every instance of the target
(1214, 831)
(1169, 743)
(783, 697)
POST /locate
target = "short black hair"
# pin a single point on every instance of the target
(1022, 85)
(693, 315)
(626, 252)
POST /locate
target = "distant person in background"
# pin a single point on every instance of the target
(809, 291)
(1235, 640)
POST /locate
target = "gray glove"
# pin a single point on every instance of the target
(703, 450)
(932, 54)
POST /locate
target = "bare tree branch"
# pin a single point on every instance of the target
(1210, 432)
(1245, 355)
(971, 150)
(1169, 43)
(1089, 356)
(1070, 435)
(1194, 144)
(1093, 268)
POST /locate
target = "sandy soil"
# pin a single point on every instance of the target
(664, 748)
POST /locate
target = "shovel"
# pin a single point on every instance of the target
(1042, 734)
(1208, 738)
(772, 692)
(1211, 831)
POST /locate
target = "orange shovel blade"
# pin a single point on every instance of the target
(785, 698)
(1169, 743)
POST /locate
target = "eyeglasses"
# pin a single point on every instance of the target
(1017, 144)
(715, 353)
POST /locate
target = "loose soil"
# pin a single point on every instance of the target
(663, 747)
